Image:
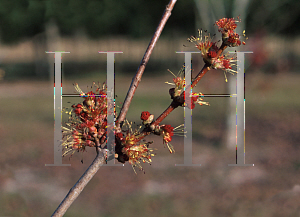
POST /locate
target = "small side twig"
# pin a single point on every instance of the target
(202, 72)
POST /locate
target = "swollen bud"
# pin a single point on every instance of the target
(172, 92)
(146, 117)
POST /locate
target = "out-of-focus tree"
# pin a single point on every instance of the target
(274, 17)
(277, 17)
(209, 11)
(45, 21)
(23, 18)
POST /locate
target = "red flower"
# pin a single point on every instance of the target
(89, 143)
(92, 129)
(168, 128)
(133, 151)
(212, 54)
(226, 64)
(91, 94)
(234, 40)
(120, 136)
(226, 24)
(227, 27)
(193, 98)
(101, 92)
(205, 45)
(77, 109)
(104, 124)
(145, 115)
(167, 133)
(178, 81)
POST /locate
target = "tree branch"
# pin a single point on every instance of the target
(80, 184)
(100, 159)
(137, 78)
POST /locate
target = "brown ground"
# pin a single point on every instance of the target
(270, 188)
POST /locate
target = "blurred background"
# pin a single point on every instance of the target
(270, 188)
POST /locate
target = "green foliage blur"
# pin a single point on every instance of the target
(276, 17)
(23, 18)
(27, 20)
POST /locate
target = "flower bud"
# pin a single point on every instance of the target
(146, 117)
(172, 92)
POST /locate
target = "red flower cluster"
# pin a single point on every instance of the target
(226, 63)
(135, 151)
(208, 50)
(226, 24)
(227, 27)
(90, 123)
(130, 148)
(167, 133)
(120, 136)
(179, 83)
(205, 45)
(234, 40)
(222, 63)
